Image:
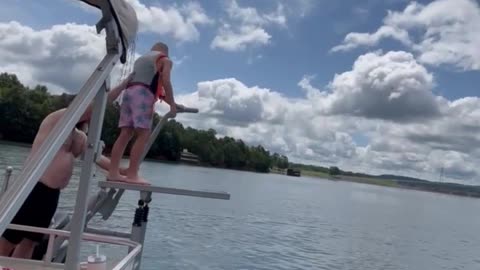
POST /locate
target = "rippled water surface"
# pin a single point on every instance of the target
(278, 222)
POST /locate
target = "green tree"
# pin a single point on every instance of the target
(16, 122)
(232, 154)
(260, 159)
(283, 162)
(23, 109)
(168, 143)
(334, 170)
(110, 130)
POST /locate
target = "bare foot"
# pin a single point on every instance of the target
(116, 178)
(137, 181)
(123, 171)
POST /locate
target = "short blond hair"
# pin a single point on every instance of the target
(160, 46)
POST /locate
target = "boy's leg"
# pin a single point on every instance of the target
(11, 238)
(126, 124)
(37, 211)
(43, 208)
(117, 154)
(24, 250)
(6, 247)
(142, 117)
(135, 154)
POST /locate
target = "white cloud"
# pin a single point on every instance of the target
(422, 150)
(262, 116)
(319, 128)
(229, 39)
(381, 98)
(301, 7)
(179, 61)
(250, 15)
(391, 86)
(360, 11)
(181, 22)
(442, 32)
(455, 165)
(353, 40)
(60, 57)
(253, 59)
(236, 104)
(247, 27)
(311, 91)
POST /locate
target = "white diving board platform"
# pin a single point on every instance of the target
(165, 190)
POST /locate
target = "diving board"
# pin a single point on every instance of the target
(107, 203)
(165, 190)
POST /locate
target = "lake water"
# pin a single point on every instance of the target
(279, 222)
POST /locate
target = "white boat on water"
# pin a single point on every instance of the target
(67, 233)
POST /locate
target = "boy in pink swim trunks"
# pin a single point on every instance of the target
(137, 109)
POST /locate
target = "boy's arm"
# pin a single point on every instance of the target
(112, 95)
(165, 65)
(104, 163)
(115, 92)
(79, 143)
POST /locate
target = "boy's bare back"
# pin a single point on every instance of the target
(60, 170)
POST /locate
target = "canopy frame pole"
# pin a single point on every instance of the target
(80, 212)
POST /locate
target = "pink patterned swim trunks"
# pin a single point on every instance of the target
(137, 108)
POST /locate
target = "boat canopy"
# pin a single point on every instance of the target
(125, 18)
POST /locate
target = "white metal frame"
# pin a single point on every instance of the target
(95, 89)
(129, 260)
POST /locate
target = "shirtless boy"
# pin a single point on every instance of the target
(136, 113)
(41, 204)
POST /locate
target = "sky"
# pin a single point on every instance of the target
(374, 86)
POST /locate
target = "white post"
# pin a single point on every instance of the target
(78, 219)
(139, 225)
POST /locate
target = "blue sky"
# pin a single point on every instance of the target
(300, 48)
(377, 85)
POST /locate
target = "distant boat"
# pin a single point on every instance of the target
(186, 156)
(293, 172)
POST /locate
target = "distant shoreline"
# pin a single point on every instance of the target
(20, 144)
(435, 187)
(149, 159)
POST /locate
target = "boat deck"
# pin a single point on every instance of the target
(15, 264)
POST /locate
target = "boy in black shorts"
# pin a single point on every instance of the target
(41, 204)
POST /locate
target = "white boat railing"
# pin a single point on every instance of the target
(160, 125)
(129, 260)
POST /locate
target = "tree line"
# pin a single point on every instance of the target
(22, 109)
